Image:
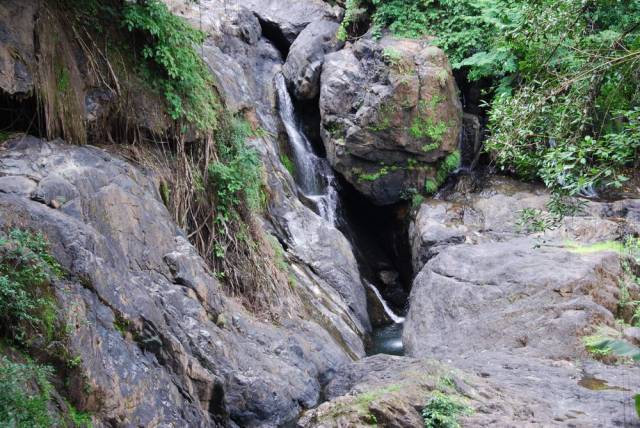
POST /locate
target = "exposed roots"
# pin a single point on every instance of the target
(238, 251)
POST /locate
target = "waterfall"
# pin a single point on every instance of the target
(313, 174)
(395, 318)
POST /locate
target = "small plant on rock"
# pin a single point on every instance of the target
(443, 411)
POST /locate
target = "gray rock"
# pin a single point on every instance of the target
(17, 21)
(390, 114)
(245, 68)
(306, 57)
(330, 255)
(290, 17)
(501, 392)
(21, 186)
(493, 213)
(516, 294)
(513, 305)
(632, 334)
(144, 308)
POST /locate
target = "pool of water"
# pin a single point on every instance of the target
(387, 340)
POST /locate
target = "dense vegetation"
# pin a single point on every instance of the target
(30, 324)
(564, 97)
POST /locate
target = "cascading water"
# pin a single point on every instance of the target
(314, 175)
(392, 316)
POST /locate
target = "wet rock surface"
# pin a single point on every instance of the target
(390, 114)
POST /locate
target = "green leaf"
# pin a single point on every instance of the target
(619, 348)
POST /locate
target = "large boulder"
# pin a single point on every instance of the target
(498, 295)
(158, 342)
(306, 57)
(390, 116)
(289, 17)
(516, 294)
(392, 391)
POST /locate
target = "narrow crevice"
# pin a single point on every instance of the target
(21, 114)
(272, 32)
(379, 236)
(473, 95)
(308, 113)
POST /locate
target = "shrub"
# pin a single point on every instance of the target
(236, 176)
(174, 66)
(27, 310)
(443, 411)
(565, 76)
(448, 165)
(24, 394)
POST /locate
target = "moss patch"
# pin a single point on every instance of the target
(598, 247)
(448, 165)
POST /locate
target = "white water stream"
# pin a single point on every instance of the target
(395, 318)
(314, 175)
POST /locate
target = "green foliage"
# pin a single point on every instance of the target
(573, 119)
(174, 66)
(354, 11)
(430, 186)
(567, 104)
(448, 165)
(392, 56)
(364, 400)
(531, 220)
(619, 348)
(562, 206)
(24, 395)
(430, 147)
(288, 164)
(443, 411)
(594, 345)
(77, 418)
(461, 27)
(385, 170)
(423, 125)
(414, 196)
(236, 176)
(27, 310)
(385, 114)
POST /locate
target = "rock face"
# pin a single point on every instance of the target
(390, 114)
(28, 29)
(510, 295)
(290, 17)
(306, 57)
(495, 297)
(15, 79)
(245, 64)
(145, 307)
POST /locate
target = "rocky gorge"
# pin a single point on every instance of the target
(477, 305)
